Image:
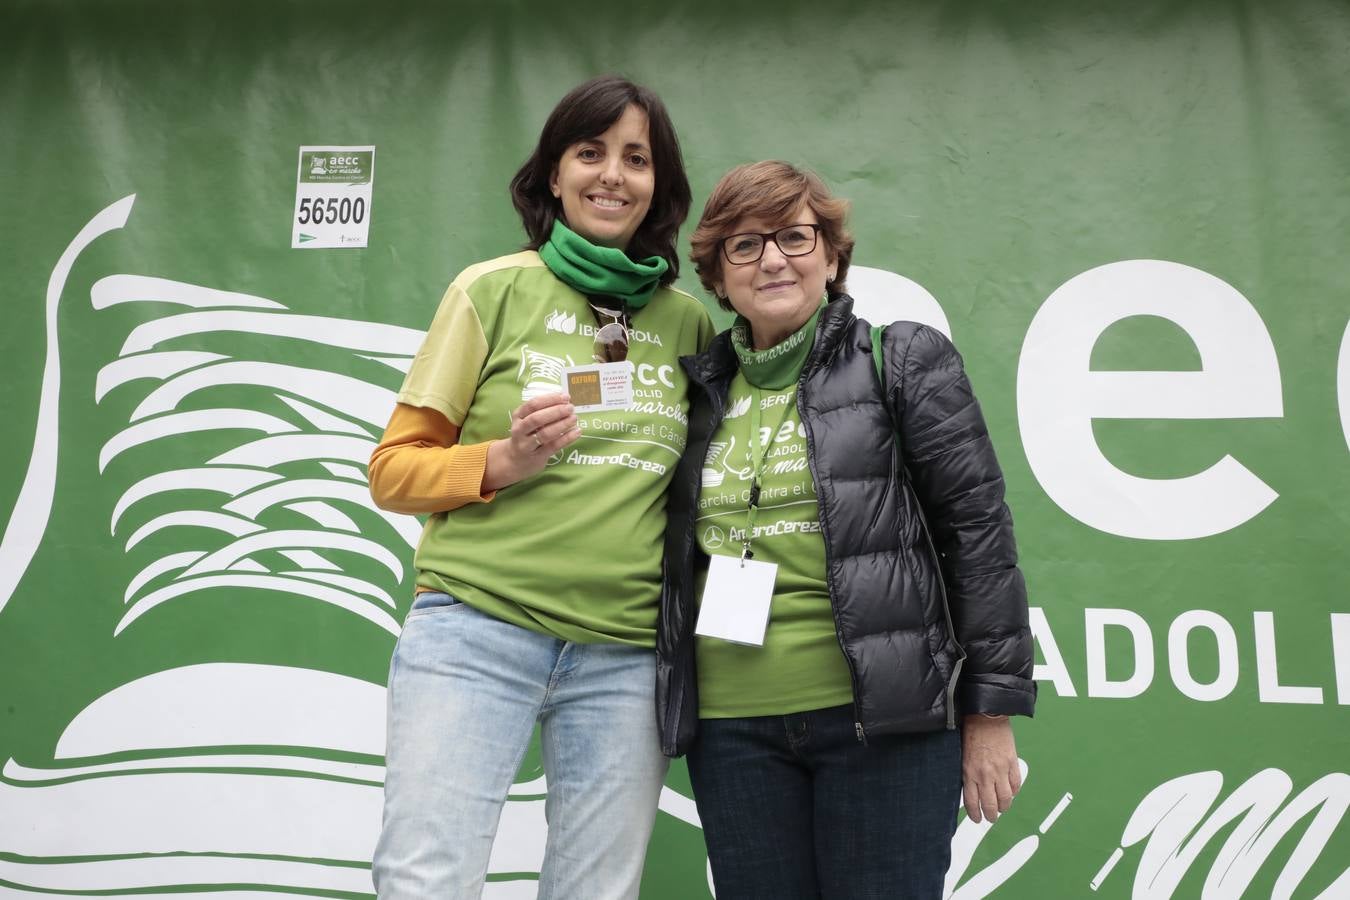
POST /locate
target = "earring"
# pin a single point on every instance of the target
(829, 279)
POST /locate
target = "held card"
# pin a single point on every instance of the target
(599, 387)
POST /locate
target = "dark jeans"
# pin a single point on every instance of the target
(796, 807)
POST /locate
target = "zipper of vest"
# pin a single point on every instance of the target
(829, 582)
(946, 606)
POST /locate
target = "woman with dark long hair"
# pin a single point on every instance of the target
(538, 573)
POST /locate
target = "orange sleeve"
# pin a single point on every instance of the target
(418, 466)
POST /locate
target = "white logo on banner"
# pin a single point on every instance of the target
(1178, 819)
(1059, 396)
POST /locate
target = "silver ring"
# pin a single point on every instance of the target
(538, 444)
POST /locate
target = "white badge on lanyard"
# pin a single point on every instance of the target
(736, 600)
(739, 592)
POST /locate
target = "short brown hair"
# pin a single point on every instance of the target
(588, 110)
(771, 190)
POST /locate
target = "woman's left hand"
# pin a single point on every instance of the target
(990, 777)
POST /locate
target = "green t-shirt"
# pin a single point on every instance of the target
(801, 665)
(574, 551)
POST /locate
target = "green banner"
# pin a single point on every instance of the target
(1131, 222)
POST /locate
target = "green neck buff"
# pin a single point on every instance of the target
(600, 270)
(778, 366)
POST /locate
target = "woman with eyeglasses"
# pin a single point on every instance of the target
(538, 570)
(843, 628)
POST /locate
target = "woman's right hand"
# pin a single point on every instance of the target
(539, 428)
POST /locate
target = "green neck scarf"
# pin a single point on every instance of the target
(780, 365)
(600, 270)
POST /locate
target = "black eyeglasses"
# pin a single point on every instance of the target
(611, 338)
(792, 240)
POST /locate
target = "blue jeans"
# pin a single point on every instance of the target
(465, 690)
(796, 807)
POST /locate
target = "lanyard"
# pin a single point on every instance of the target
(758, 457)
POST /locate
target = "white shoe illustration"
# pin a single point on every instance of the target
(541, 373)
(217, 469)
